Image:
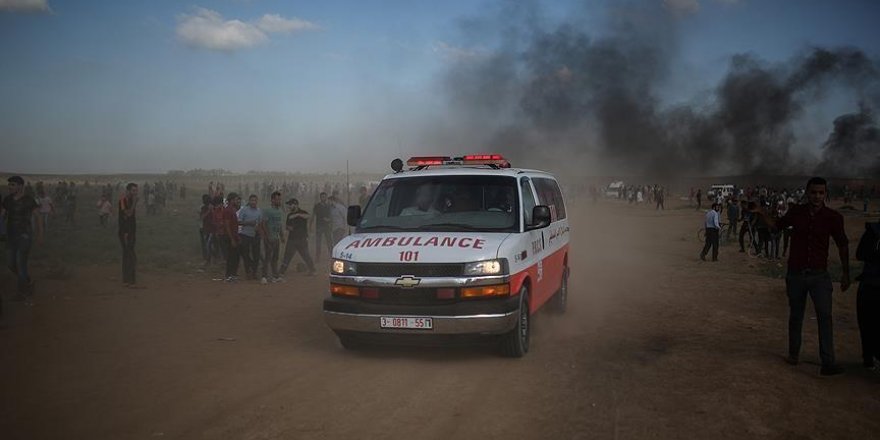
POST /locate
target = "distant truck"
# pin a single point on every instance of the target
(722, 191)
(614, 190)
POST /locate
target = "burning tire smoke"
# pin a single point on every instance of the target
(600, 96)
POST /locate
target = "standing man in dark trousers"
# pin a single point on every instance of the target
(713, 227)
(297, 226)
(22, 215)
(732, 216)
(812, 225)
(323, 225)
(746, 228)
(868, 297)
(271, 232)
(230, 224)
(250, 220)
(127, 230)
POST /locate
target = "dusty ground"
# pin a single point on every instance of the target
(657, 345)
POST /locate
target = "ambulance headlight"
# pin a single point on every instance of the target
(342, 267)
(488, 267)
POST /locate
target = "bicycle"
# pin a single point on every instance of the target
(753, 246)
(722, 234)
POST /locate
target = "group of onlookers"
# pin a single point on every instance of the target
(258, 237)
(806, 229)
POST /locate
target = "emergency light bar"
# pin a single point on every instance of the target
(495, 160)
(423, 161)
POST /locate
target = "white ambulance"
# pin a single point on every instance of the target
(451, 248)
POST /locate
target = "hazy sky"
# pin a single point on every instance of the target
(125, 86)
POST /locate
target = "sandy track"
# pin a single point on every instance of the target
(658, 345)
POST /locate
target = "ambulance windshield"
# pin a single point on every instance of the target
(443, 204)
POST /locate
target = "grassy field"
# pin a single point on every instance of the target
(168, 241)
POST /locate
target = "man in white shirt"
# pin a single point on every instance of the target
(713, 227)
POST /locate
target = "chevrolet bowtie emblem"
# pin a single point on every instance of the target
(408, 281)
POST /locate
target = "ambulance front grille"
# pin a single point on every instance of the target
(393, 295)
(416, 270)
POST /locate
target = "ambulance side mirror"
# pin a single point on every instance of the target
(540, 217)
(354, 215)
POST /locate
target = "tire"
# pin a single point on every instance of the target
(560, 298)
(350, 343)
(515, 344)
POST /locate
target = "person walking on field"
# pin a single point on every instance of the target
(272, 235)
(127, 232)
(105, 209)
(22, 217)
(338, 220)
(813, 224)
(250, 220)
(232, 239)
(297, 226)
(699, 197)
(47, 208)
(732, 216)
(868, 295)
(713, 227)
(322, 218)
(659, 197)
(363, 197)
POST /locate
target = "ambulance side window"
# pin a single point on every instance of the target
(550, 195)
(528, 200)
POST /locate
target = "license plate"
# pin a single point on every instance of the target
(406, 322)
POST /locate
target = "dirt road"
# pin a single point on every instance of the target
(657, 345)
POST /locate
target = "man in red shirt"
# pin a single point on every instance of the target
(233, 254)
(812, 226)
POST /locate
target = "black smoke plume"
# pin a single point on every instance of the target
(854, 145)
(545, 89)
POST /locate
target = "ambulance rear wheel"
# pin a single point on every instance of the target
(560, 299)
(515, 344)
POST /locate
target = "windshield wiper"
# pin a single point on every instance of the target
(368, 228)
(452, 225)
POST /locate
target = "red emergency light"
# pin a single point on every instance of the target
(423, 161)
(496, 160)
(486, 159)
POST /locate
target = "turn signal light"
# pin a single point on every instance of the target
(486, 291)
(343, 290)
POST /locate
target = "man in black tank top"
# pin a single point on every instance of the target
(127, 232)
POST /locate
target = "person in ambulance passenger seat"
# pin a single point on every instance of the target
(423, 204)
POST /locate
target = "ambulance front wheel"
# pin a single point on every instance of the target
(515, 343)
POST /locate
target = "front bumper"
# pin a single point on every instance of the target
(469, 317)
(489, 324)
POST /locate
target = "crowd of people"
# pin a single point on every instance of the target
(805, 225)
(259, 237)
(263, 239)
(653, 195)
